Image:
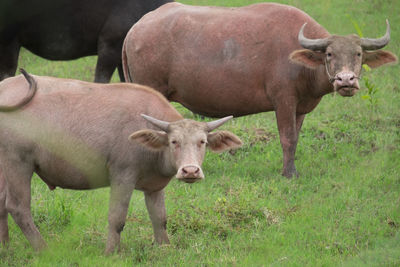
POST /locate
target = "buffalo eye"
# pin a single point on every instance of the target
(358, 54)
(329, 54)
(201, 143)
(175, 144)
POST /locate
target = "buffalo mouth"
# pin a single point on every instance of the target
(190, 180)
(347, 91)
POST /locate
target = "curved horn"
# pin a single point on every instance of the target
(163, 125)
(27, 98)
(312, 44)
(374, 44)
(215, 124)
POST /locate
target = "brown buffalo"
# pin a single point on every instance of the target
(217, 61)
(76, 135)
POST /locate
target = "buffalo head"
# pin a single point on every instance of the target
(343, 57)
(184, 143)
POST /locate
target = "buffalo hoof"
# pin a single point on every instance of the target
(290, 174)
(39, 245)
(4, 243)
(111, 251)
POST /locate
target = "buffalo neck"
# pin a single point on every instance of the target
(165, 165)
(320, 84)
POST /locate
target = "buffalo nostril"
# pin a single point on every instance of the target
(190, 171)
(346, 79)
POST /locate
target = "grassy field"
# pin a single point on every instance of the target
(344, 209)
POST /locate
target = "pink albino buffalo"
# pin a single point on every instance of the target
(81, 135)
(218, 61)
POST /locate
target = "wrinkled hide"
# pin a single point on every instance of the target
(220, 61)
(81, 135)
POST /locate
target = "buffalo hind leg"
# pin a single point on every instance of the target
(109, 58)
(18, 202)
(288, 134)
(104, 69)
(121, 73)
(4, 238)
(156, 208)
(120, 195)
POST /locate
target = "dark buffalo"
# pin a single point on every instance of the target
(69, 29)
(218, 61)
(81, 135)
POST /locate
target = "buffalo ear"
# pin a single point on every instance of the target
(378, 58)
(223, 140)
(155, 140)
(307, 58)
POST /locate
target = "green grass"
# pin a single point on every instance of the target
(343, 210)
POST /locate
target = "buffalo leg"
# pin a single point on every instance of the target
(109, 57)
(9, 51)
(4, 238)
(18, 203)
(104, 69)
(288, 134)
(299, 123)
(119, 203)
(156, 208)
(121, 73)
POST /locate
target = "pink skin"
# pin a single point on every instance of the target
(347, 83)
(81, 135)
(220, 61)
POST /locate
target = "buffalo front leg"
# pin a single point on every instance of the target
(156, 207)
(119, 203)
(4, 238)
(288, 134)
(299, 123)
(9, 51)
